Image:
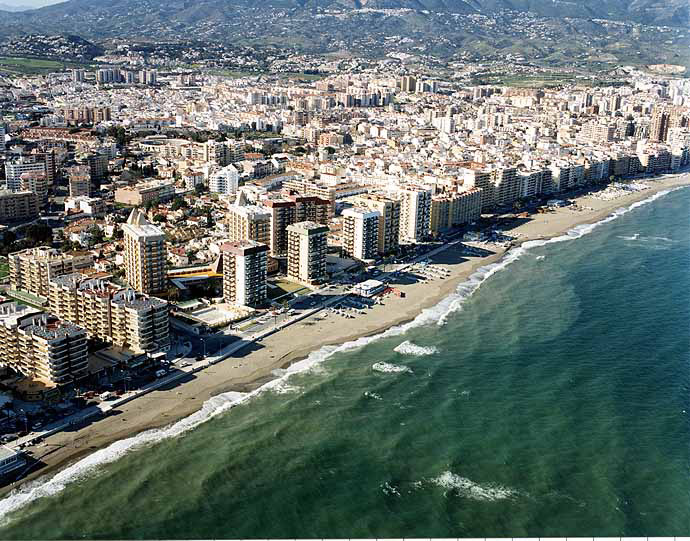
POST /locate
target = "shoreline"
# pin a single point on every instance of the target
(255, 367)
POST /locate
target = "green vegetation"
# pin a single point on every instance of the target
(30, 65)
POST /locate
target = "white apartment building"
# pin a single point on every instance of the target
(225, 181)
(15, 170)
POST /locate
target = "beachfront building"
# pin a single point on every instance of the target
(389, 220)
(122, 317)
(41, 346)
(139, 322)
(244, 272)
(144, 254)
(32, 269)
(11, 316)
(415, 214)
(360, 233)
(455, 209)
(307, 244)
(52, 350)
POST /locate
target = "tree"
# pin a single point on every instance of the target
(151, 204)
(179, 203)
(159, 218)
(9, 237)
(199, 189)
(39, 233)
(96, 233)
(209, 219)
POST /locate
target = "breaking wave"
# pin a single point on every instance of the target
(410, 348)
(469, 489)
(388, 368)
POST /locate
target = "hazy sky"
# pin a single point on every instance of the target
(29, 3)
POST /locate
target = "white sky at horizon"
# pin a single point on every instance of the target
(29, 3)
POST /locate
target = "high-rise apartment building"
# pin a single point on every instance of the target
(11, 316)
(15, 170)
(248, 222)
(659, 128)
(361, 233)
(148, 77)
(32, 269)
(98, 166)
(224, 181)
(18, 206)
(293, 209)
(77, 76)
(41, 346)
(389, 221)
(122, 317)
(139, 322)
(244, 272)
(144, 254)
(311, 209)
(408, 84)
(455, 209)
(79, 181)
(415, 214)
(37, 183)
(307, 245)
(282, 216)
(85, 115)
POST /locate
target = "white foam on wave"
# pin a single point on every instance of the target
(372, 395)
(86, 467)
(410, 348)
(284, 387)
(388, 368)
(469, 489)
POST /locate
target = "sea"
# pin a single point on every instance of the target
(549, 396)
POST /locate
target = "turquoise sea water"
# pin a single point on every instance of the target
(553, 402)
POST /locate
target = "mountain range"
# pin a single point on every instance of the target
(545, 29)
(668, 12)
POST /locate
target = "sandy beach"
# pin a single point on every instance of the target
(255, 365)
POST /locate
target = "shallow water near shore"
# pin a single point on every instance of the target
(552, 400)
